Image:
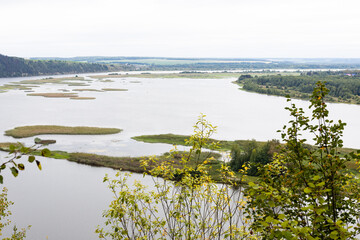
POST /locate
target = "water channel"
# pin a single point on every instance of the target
(65, 200)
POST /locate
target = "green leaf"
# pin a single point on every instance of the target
(14, 171)
(269, 219)
(12, 147)
(45, 152)
(315, 178)
(1, 179)
(307, 190)
(21, 166)
(38, 164)
(31, 159)
(320, 184)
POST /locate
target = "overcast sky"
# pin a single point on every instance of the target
(180, 28)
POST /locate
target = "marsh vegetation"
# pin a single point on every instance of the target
(30, 131)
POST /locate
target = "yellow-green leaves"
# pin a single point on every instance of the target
(31, 159)
(38, 164)
(315, 195)
(17, 152)
(45, 152)
(185, 203)
(307, 190)
(14, 171)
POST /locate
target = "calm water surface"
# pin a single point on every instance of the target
(65, 200)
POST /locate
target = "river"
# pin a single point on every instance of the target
(65, 200)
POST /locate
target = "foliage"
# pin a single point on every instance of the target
(195, 64)
(4, 221)
(185, 202)
(16, 151)
(344, 86)
(307, 193)
(18, 67)
(253, 154)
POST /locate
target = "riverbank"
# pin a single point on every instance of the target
(185, 74)
(343, 85)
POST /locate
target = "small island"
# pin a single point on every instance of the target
(30, 131)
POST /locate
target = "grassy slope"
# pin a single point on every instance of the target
(29, 131)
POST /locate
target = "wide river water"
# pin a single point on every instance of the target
(65, 200)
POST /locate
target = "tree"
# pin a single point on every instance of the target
(186, 203)
(16, 152)
(253, 155)
(307, 193)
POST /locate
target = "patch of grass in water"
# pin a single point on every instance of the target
(114, 89)
(77, 84)
(86, 90)
(51, 80)
(30, 131)
(82, 98)
(54, 95)
(180, 140)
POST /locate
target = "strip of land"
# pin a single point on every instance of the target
(132, 164)
(54, 95)
(190, 74)
(175, 139)
(30, 131)
(82, 98)
(114, 89)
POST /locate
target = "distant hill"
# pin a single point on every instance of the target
(19, 67)
(168, 63)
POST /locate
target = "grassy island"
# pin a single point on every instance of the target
(180, 140)
(30, 131)
(114, 89)
(82, 98)
(54, 95)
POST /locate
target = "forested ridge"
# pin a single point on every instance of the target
(205, 64)
(344, 86)
(18, 67)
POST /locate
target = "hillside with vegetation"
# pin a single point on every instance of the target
(344, 86)
(19, 67)
(203, 64)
